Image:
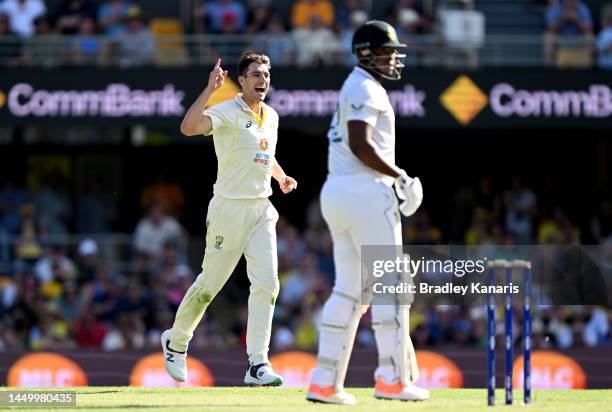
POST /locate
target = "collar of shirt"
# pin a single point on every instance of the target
(365, 73)
(246, 108)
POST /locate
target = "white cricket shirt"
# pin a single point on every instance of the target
(363, 98)
(245, 145)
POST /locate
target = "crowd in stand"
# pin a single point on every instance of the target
(310, 33)
(57, 295)
(77, 32)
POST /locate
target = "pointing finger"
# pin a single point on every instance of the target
(218, 63)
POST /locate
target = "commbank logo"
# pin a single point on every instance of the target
(464, 99)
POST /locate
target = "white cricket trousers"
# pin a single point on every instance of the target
(234, 228)
(359, 210)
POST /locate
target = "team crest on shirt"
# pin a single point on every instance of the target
(218, 242)
(261, 157)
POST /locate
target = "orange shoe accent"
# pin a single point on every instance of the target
(389, 389)
(319, 390)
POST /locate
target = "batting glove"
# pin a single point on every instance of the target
(410, 191)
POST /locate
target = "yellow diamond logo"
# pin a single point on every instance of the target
(225, 92)
(2, 99)
(463, 99)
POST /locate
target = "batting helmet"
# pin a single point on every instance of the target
(373, 35)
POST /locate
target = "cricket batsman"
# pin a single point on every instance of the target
(240, 218)
(360, 207)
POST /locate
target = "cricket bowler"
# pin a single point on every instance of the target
(360, 207)
(240, 218)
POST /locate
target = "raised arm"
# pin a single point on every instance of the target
(195, 123)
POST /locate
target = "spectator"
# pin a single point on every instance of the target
(566, 19)
(558, 230)
(97, 208)
(10, 45)
(408, 17)
(171, 266)
(11, 198)
(154, 230)
(303, 12)
(279, 46)
(50, 331)
(21, 14)
(520, 204)
(71, 13)
(282, 338)
(569, 18)
(89, 332)
(300, 281)
(210, 16)
(136, 44)
(597, 328)
(110, 16)
(105, 292)
(317, 44)
(27, 247)
(478, 233)
(133, 301)
(601, 222)
(357, 18)
(484, 198)
(86, 48)
(305, 333)
(53, 207)
(71, 302)
(604, 41)
(181, 282)
(462, 32)
(165, 193)
(420, 231)
(43, 48)
(259, 16)
(9, 287)
(55, 266)
(344, 14)
(229, 24)
(325, 256)
(87, 261)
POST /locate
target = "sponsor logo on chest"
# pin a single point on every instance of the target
(261, 156)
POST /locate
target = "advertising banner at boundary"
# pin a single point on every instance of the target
(439, 368)
(306, 99)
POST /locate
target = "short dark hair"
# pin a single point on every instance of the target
(249, 57)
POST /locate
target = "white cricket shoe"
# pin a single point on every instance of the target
(329, 394)
(396, 390)
(175, 362)
(262, 375)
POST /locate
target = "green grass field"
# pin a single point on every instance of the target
(279, 399)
